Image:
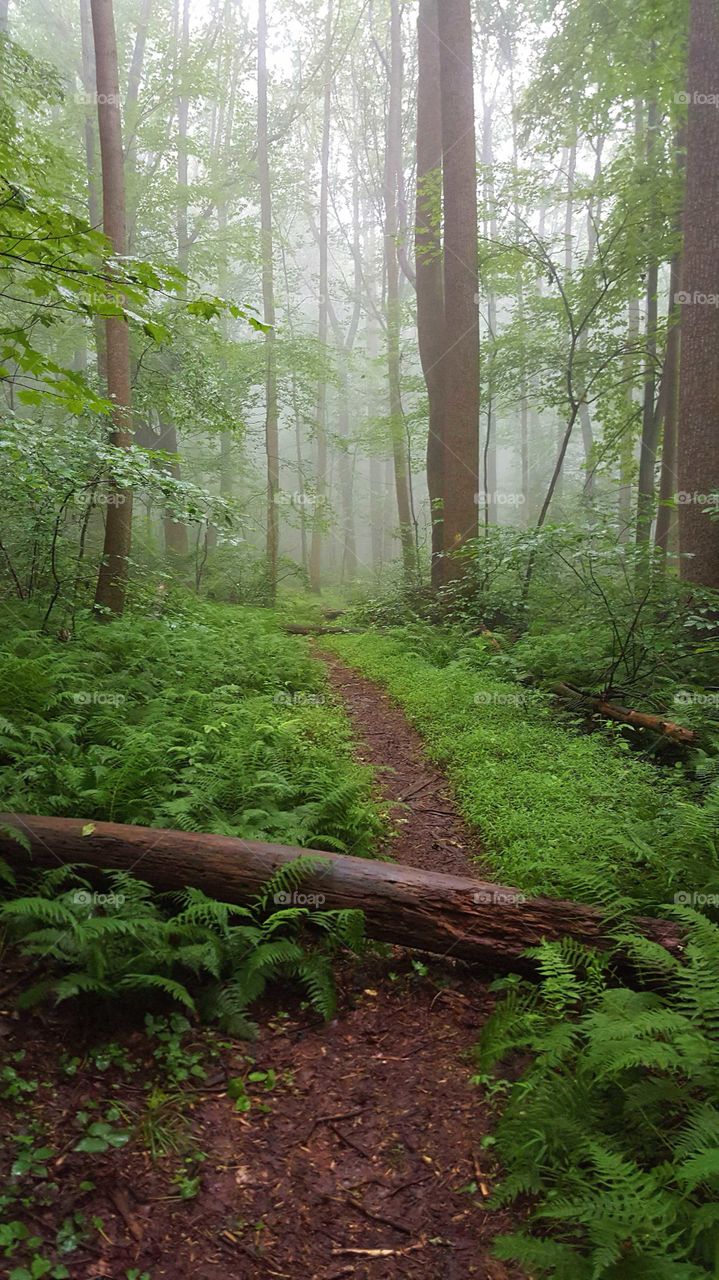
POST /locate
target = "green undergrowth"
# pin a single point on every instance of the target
(212, 958)
(553, 805)
(611, 1133)
(207, 719)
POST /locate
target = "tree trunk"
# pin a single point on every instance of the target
(698, 468)
(272, 446)
(323, 319)
(94, 210)
(428, 261)
(112, 578)
(649, 437)
(131, 115)
(177, 542)
(626, 444)
(670, 388)
(453, 916)
(489, 468)
(393, 163)
(461, 283)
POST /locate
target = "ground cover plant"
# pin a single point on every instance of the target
(360, 472)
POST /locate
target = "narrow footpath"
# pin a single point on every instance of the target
(365, 1157)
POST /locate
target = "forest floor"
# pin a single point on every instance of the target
(356, 1150)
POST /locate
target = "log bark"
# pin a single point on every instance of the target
(452, 916)
(642, 719)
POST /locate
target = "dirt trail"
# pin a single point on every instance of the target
(367, 1161)
(429, 831)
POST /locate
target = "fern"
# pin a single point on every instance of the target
(131, 943)
(613, 1129)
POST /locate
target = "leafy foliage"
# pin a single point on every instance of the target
(130, 943)
(612, 1129)
(203, 719)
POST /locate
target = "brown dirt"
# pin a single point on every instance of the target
(429, 832)
(364, 1159)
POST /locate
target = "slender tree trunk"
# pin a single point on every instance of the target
(489, 479)
(323, 318)
(428, 261)
(272, 447)
(461, 282)
(112, 578)
(523, 380)
(626, 444)
(570, 162)
(670, 387)
(585, 419)
(650, 425)
(4, 25)
(94, 208)
(699, 377)
(393, 163)
(131, 116)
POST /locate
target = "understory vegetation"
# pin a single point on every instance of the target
(391, 322)
(202, 718)
(559, 809)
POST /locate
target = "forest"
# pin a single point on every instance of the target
(359, 648)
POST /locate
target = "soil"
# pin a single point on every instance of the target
(429, 832)
(361, 1156)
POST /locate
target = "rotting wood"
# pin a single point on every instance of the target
(451, 916)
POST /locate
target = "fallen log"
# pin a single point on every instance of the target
(454, 916)
(641, 719)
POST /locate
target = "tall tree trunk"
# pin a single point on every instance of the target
(131, 116)
(699, 378)
(650, 424)
(570, 162)
(94, 209)
(323, 318)
(585, 418)
(4, 25)
(393, 163)
(461, 282)
(112, 578)
(523, 380)
(272, 447)
(670, 389)
(626, 444)
(177, 541)
(489, 477)
(428, 261)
